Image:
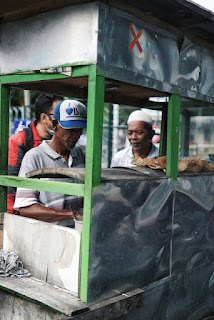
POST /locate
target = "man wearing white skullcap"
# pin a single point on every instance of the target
(140, 135)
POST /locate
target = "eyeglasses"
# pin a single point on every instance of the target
(49, 116)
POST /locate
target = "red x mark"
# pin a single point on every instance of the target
(135, 40)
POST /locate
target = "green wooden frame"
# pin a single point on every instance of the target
(96, 89)
(4, 135)
(96, 86)
(173, 128)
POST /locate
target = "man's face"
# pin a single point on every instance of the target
(68, 137)
(50, 114)
(138, 136)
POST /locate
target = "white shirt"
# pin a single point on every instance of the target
(124, 157)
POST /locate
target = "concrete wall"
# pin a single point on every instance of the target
(49, 252)
(15, 308)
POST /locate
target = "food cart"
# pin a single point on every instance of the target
(146, 249)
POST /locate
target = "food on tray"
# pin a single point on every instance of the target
(210, 167)
(191, 164)
(143, 162)
(159, 163)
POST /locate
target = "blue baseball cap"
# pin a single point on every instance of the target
(71, 114)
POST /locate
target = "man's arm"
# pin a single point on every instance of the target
(28, 201)
(39, 212)
(15, 155)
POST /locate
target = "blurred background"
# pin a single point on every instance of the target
(196, 134)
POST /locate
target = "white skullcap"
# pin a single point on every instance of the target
(140, 115)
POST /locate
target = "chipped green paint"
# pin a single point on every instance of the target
(43, 185)
(173, 126)
(78, 64)
(96, 87)
(22, 77)
(4, 135)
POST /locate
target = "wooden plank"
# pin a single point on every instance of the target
(55, 88)
(56, 173)
(112, 308)
(107, 175)
(43, 293)
(75, 189)
(63, 302)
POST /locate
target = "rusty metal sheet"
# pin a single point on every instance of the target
(134, 51)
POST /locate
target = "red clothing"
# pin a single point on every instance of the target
(18, 146)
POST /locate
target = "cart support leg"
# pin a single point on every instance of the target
(4, 134)
(96, 87)
(173, 125)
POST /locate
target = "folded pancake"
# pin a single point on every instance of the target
(191, 164)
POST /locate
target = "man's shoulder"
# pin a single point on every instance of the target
(34, 152)
(122, 157)
(20, 136)
(123, 152)
(78, 156)
(154, 152)
(77, 151)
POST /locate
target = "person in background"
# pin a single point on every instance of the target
(140, 135)
(69, 119)
(40, 129)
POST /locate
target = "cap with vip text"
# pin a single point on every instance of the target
(71, 114)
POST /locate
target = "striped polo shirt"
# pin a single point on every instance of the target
(42, 157)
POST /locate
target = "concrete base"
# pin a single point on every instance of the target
(15, 308)
(50, 252)
(41, 293)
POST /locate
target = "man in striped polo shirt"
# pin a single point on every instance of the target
(69, 119)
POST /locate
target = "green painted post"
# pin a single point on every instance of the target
(4, 135)
(96, 87)
(110, 123)
(75, 189)
(173, 124)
